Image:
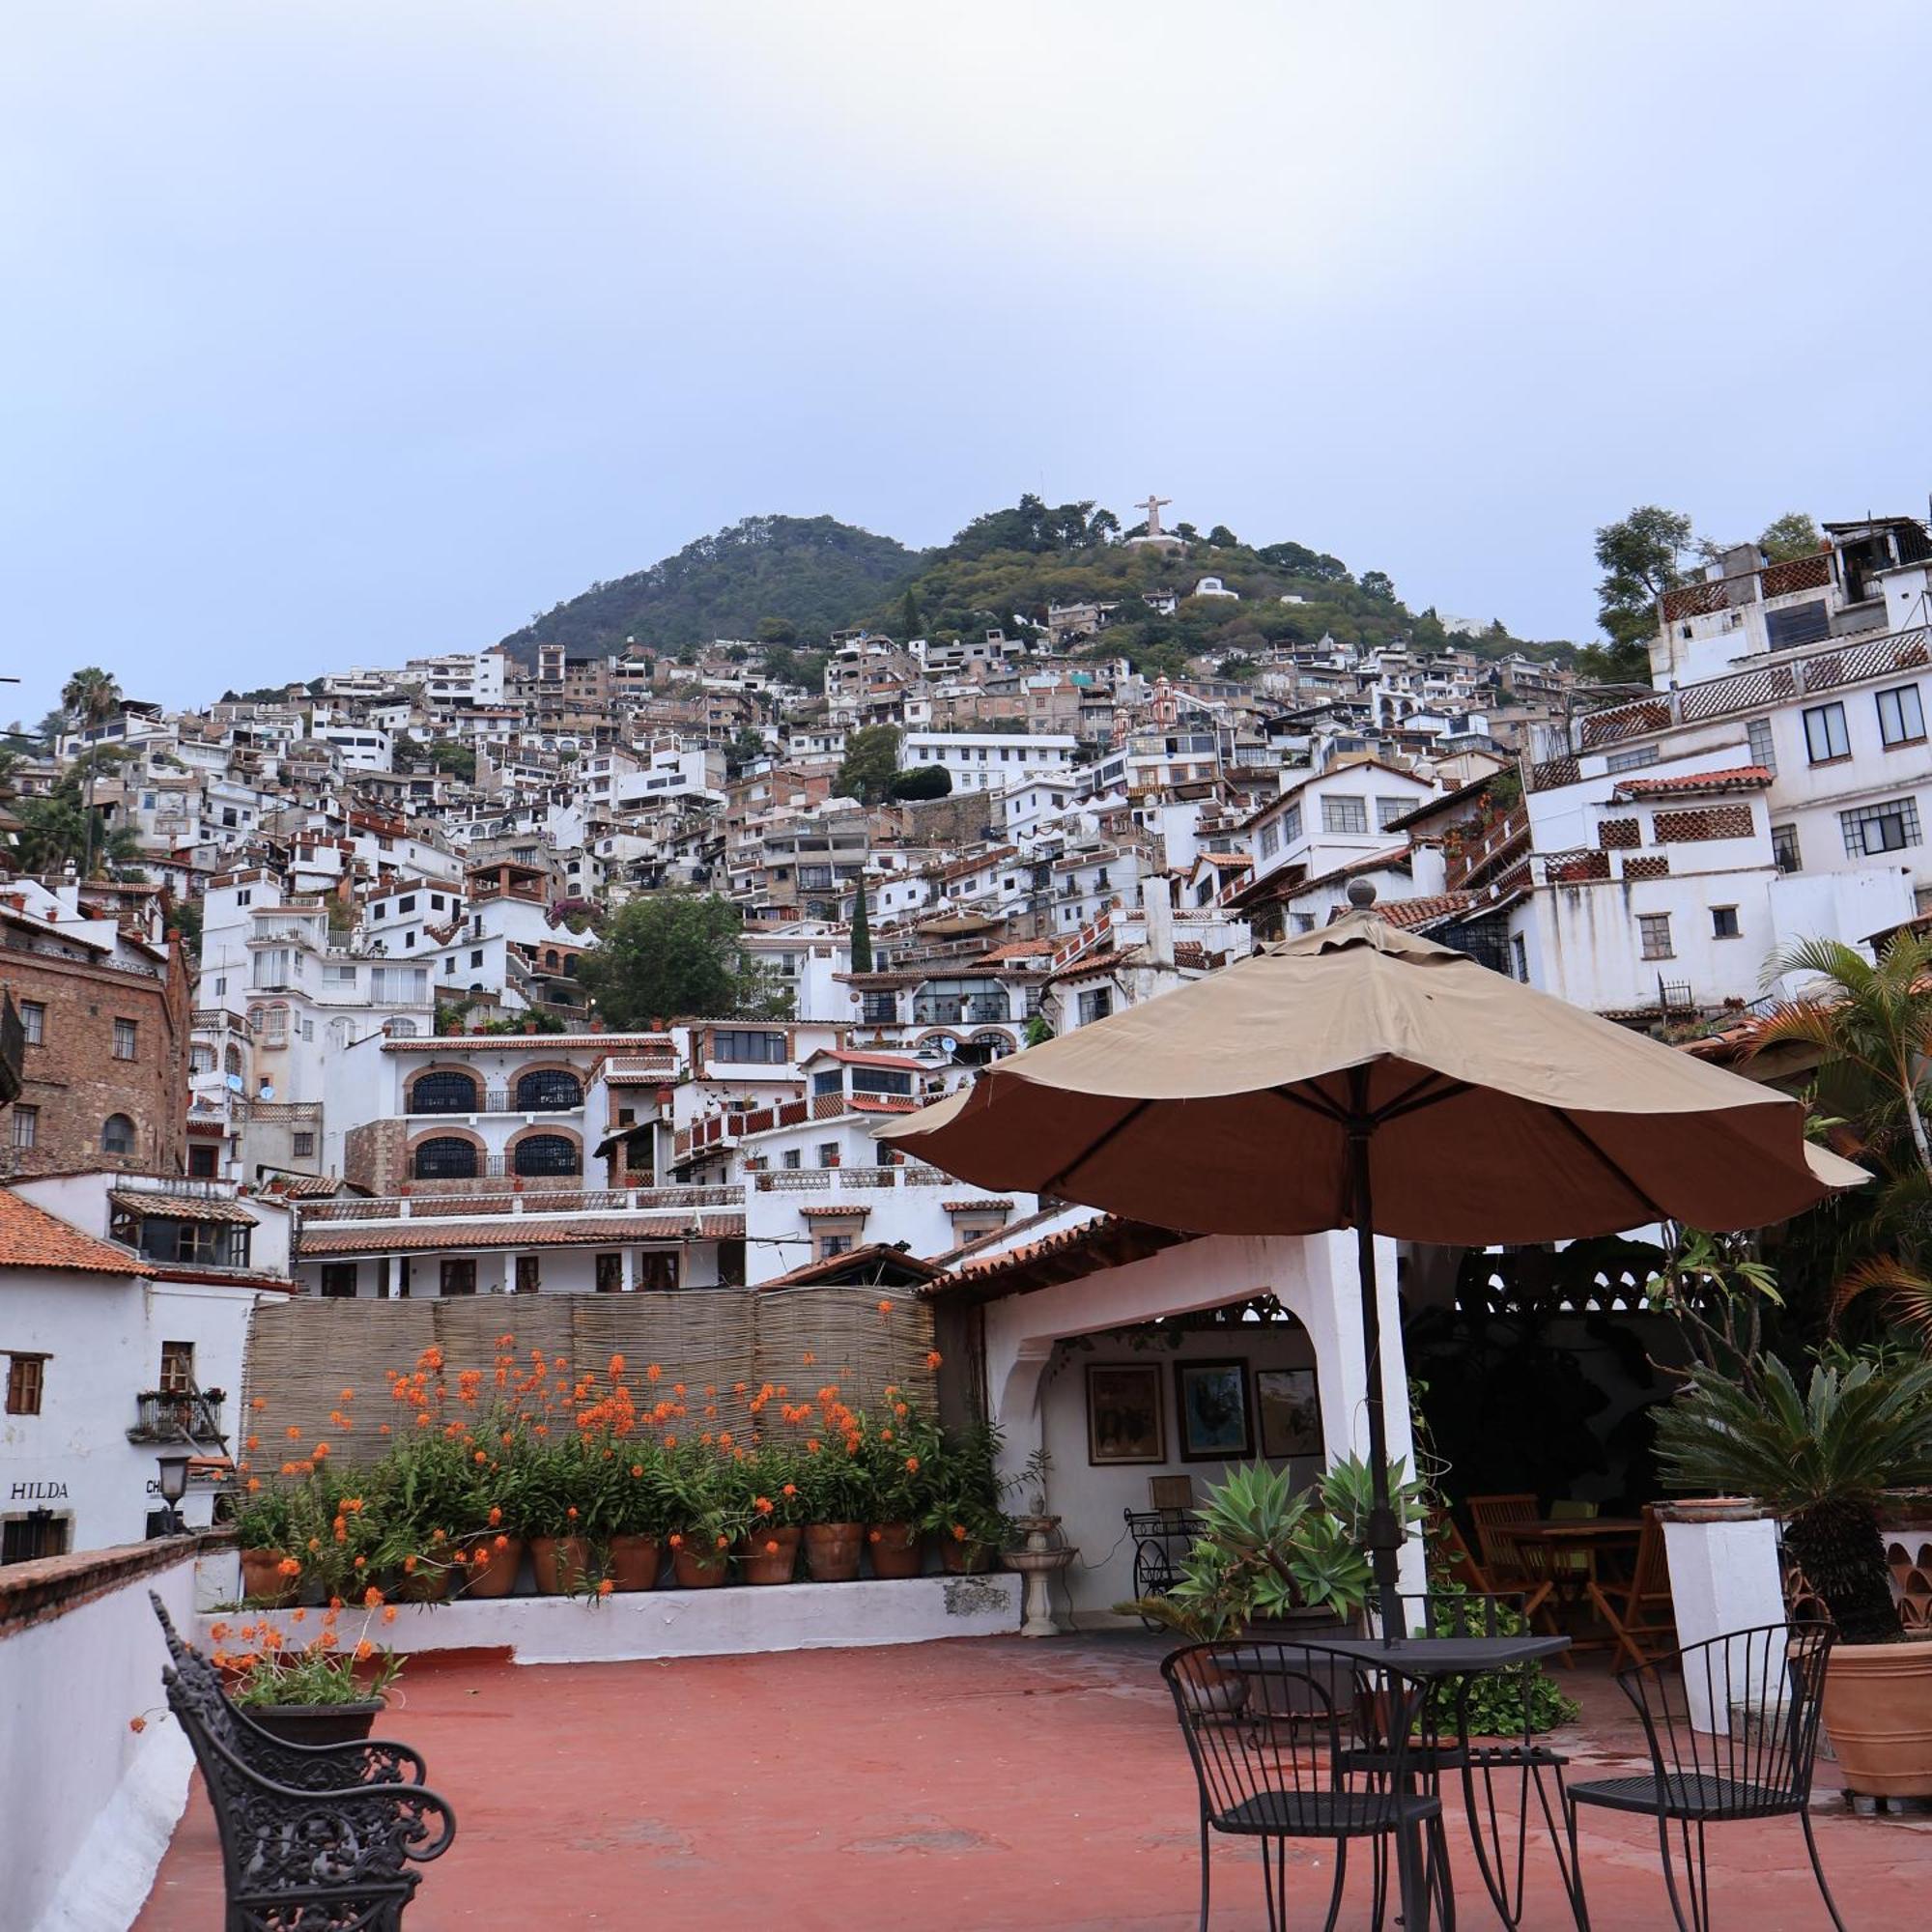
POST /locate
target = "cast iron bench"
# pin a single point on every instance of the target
(319, 1837)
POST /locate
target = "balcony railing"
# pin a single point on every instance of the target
(496, 1100)
(1728, 593)
(959, 1011)
(564, 1200)
(819, 1180)
(1773, 681)
(1477, 856)
(170, 1415)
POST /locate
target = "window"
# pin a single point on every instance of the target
(406, 905)
(880, 1080)
(831, 1245)
(657, 1270)
(117, 1136)
(1630, 760)
(546, 1154)
(1388, 810)
(791, 1157)
(126, 1034)
(879, 1008)
(28, 1538)
(1761, 751)
(1872, 829)
(1270, 843)
(1345, 814)
(609, 1274)
(177, 1368)
(25, 1377)
(1901, 717)
(1654, 929)
(446, 1159)
(303, 1146)
(445, 1091)
(34, 1022)
(529, 1274)
(1724, 923)
(26, 1126)
(1825, 737)
(1520, 953)
(827, 1153)
(828, 1082)
(1784, 848)
(475, 958)
(1096, 1005)
(203, 1161)
(763, 1049)
(550, 1090)
(459, 1277)
(1291, 824)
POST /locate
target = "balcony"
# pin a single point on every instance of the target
(1709, 597)
(178, 1416)
(957, 1011)
(501, 1100)
(465, 1199)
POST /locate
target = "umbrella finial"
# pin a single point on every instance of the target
(1361, 893)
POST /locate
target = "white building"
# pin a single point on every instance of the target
(987, 760)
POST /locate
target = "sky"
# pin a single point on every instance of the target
(336, 333)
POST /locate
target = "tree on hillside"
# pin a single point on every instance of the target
(1222, 538)
(674, 956)
(1793, 534)
(871, 762)
(90, 697)
(862, 932)
(922, 782)
(1639, 557)
(1378, 584)
(458, 760)
(805, 670)
(910, 620)
(777, 631)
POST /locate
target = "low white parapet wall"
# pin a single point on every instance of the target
(88, 1801)
(650, 1624)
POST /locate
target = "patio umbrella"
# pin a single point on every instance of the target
(1363, 1077)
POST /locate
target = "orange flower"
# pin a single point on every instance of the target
(294, 1432)
(762, 1504)
(637, 1469)
(217, 1632)
(501, 1543)
(772, 1549)
(885, 1308)
(789, 1489)
(872, 1536)
(389, 1615)
(912, 1466)
(933, 1358)
(137, 1725)
(496, 1514)
(723, 1541)
(288, 1567)
(361, 1563)
(959, 1532)
(348, 1395)
(364, 1650)
(677, 1541)
(652, 1373)
(254, 1484)
(260, 1402)
(409, 1566)
(320, 1450)
(254, 1442)
(810, 1359)
(371, 1597)
(480, 1459)
(616, 1365)
(571, 1512)
(605, 1588)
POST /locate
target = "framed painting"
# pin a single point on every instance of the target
(1125, 1419)
(1290, 1408)
(1212, 1399)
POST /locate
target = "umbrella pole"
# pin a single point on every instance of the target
(1382, 1538)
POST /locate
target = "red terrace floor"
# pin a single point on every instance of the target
(979, 1785)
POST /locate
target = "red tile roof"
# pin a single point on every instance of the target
(846, 1211)
(1408, 914)
(30, 1237)
(846, 1057)
(511, 1230)
(1737, 778)
(882, 1103)
(971, 1206)
(180, 1207)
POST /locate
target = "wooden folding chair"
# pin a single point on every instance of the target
(1574, 1564)
(1640, 1609)
(1452, 1558)
(1518, 1568)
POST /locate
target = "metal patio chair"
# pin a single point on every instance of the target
(1293, 1740)
(1763, 1687)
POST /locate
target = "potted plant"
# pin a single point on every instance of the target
(766, 1493)
(264, 1528)
(963, 1513)
(632, 1518)
(835, 1488)
(700, 1518)
(321, 1693)
(897, 1451)
(550, 1518)
(1823, 1459)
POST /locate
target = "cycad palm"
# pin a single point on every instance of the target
(1821, 1460)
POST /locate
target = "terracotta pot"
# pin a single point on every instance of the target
(316, 1723)
(964, 1557)
(426, 1583)
(1209, 1686)
(634, 1562)
(895, 1549)
(1712, 1509)
(768, 1556)
(697, 1568)
(492, 1571)
(560, 1563)
(1878, 1709)
(261, 1581)
(832, 1549)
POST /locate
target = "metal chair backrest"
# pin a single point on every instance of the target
(1503, 1556)
(1268, 1720)
(1734, 1719)
(1455, 1613)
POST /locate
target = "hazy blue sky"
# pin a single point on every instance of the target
(337, 332)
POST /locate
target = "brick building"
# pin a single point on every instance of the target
(105, 1071)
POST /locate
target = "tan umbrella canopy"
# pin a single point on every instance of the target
(1362, 1077)
(1491, 1112)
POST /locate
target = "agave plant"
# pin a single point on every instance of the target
(1821, 1459)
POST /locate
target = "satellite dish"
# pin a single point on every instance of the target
(234, 1083)
(946, 1043)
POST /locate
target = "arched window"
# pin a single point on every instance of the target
(339, 1031)
(550, 1090)
(446, 1159)
(400, 1029)
(117, 1136)
(445, 1093)
(231, 1060)
(547, 1153)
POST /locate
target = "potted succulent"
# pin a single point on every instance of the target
(1823, 1459)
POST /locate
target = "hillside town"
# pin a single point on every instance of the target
(325, 1027)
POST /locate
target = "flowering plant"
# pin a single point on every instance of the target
(325, 1671)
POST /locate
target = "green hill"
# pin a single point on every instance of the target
(816, 575)
(813, 573)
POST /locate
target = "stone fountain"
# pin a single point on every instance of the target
(1044, 1551)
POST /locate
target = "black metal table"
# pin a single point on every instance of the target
(1431, 1662)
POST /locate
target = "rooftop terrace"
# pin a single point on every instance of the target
(989, 1784)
